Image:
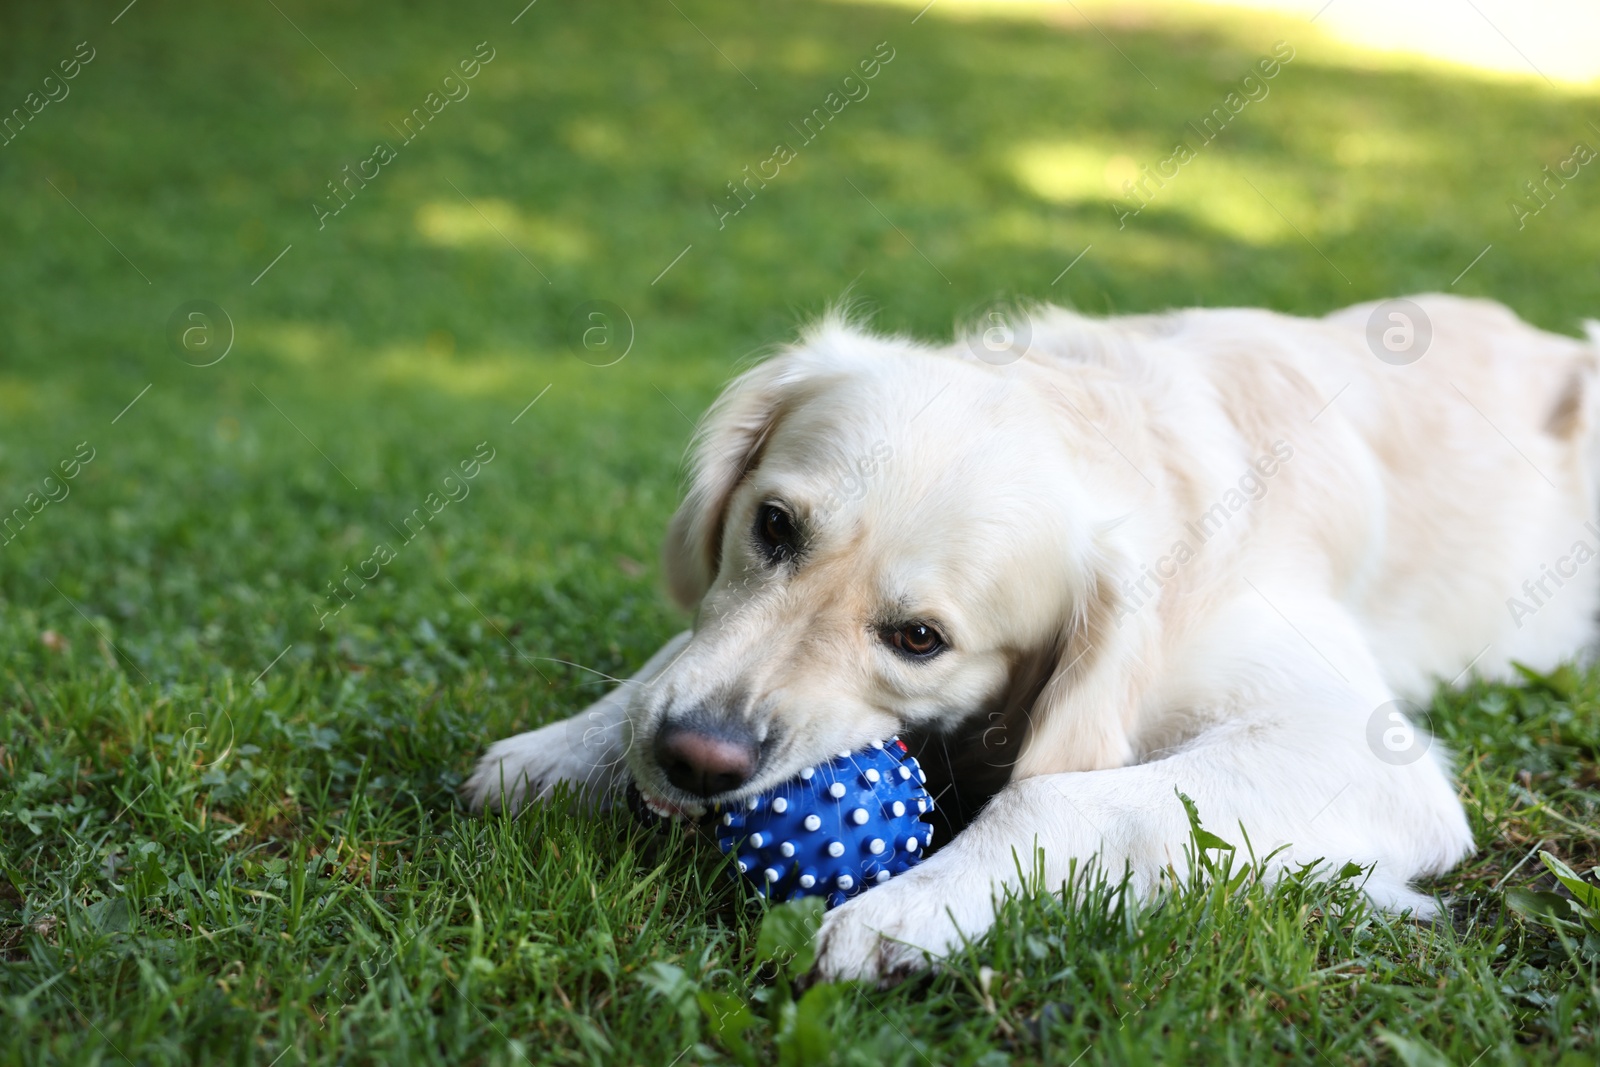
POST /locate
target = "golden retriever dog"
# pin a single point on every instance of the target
(1086, 565)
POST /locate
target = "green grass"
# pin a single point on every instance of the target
(204, 865)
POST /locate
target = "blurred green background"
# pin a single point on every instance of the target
(173, 708)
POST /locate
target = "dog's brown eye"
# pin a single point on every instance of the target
(775, 528)
(916, 639)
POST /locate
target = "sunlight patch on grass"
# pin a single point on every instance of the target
(1558, 39)
(1135, 250)
(1375, 146)
(1212, 189)
(1067, 172)
(299, 343)
(805, 55)
(1551, 42)
(414, 365)
(595, 139)
(1240, 202)
(430, 363)
(491, 222)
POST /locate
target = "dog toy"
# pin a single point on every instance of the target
(833, 831)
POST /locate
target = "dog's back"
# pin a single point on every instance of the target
(1445, 459)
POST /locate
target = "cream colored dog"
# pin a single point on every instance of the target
(1214, 552)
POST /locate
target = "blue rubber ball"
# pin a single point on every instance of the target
(835, 830)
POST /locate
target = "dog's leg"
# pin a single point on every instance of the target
(1295, 770)
(586, 751)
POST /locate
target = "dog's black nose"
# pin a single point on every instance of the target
(707, 760)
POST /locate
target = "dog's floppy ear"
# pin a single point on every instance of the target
(1079, 720)
(726, 447)
(728, 444)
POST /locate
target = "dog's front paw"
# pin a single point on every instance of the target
(528, 767)
(896, 929)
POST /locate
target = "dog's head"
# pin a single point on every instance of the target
(877, 537)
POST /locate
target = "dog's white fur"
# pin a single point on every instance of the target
(1379, 527)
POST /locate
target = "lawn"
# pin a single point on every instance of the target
(252, 646)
